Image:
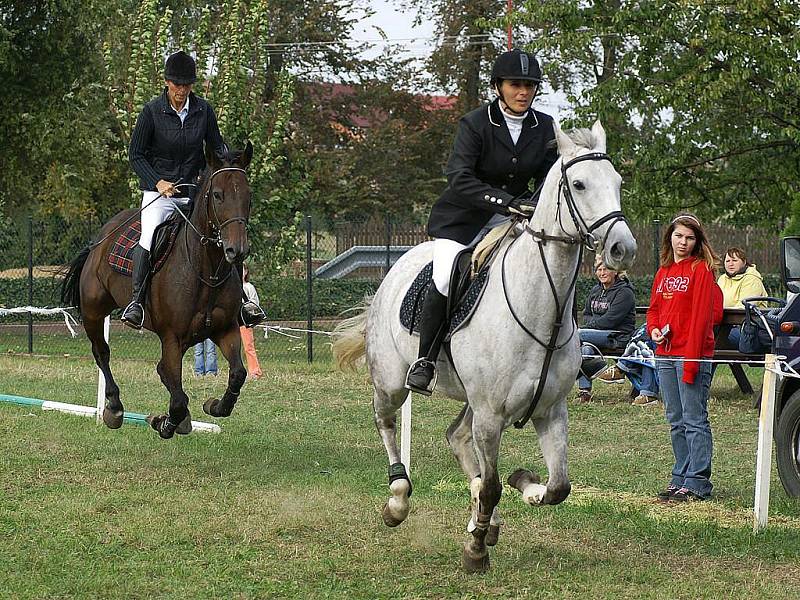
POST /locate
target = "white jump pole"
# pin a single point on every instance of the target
(764, 454)
(405, 433)
(101, 379)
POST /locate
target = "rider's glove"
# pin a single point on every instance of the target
(522, 205)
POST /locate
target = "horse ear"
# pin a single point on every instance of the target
(566, 147)
(599, 136)
(212, 159)
(246, 156)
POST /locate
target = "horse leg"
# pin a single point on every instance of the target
(385, 406)
(169, 370)
(230, 343)
(552, 430)
(459, 437)
(113, 412)
(486, 432)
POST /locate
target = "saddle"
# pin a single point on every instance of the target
(467, 284)
(120, 255)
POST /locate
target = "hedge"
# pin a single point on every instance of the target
(284, 298)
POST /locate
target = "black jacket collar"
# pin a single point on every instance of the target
(529, 127)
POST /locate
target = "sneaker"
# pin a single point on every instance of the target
(584, 397)
(642, 400)
(667, 494)
(612, 375)
(685, 495)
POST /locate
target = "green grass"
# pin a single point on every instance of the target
(285, 502)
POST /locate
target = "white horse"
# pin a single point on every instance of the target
(518, 356)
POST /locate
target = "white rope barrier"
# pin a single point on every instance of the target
(69, 320)
(280, 330)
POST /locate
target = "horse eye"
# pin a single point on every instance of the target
(217, 196)
(578, 185)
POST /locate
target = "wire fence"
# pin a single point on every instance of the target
(341, 263)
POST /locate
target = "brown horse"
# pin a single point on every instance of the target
(196, 295)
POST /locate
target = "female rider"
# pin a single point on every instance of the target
(166, 148)
(499, 149)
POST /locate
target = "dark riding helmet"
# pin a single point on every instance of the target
(516, 64)
(180, 68)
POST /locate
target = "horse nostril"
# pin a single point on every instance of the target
(617, 251)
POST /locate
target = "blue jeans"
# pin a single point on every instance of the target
(686, 408)
(599, 338)
(205, 358)
(643, 377)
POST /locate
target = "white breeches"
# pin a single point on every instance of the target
(444, 254)
(155, 214)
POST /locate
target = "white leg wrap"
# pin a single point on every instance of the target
(534, 493)
(474, 489)
(398, 503)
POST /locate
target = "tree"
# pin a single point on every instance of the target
(471, 37)
(702, 98)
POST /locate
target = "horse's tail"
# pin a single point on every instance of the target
(349, 337)
(71, 286)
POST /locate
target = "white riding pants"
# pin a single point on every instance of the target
(444, 254)
(156, 213)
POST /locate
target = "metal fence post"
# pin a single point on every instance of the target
(30, 283)
(656, 243)
(388, 221)
(309, 293)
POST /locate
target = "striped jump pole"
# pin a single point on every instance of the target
(91, 411)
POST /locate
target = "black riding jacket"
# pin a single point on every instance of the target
(486, 170)
(163, 148)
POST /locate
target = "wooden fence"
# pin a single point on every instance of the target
(760, 243)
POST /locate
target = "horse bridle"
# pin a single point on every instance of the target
(586, 239)
(216, 229)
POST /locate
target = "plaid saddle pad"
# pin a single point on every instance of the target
(120, 256)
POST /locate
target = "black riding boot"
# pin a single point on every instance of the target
(250, 313)
(433, 316)
(133, 315)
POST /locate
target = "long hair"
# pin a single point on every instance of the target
(702, 251)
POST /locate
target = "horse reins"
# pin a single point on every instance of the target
(586, 239)
(216, 228)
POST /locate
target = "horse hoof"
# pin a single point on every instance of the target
(113, 418)
(388, 518)
(185, 428)
(157, 423)
(492, 535)
(474, 564)
(209, 406)
(521, 478)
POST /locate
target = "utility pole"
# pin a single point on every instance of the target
(510, 10)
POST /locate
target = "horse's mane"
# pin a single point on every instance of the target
(583, 137)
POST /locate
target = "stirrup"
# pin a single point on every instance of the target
(431, 386)
(251, 314)
(128, 321)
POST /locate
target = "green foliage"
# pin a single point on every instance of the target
(700, 99)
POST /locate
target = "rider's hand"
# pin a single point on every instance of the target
(521, 206)
(165, 188)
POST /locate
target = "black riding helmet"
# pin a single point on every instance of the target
(180, 68)
(516, 64)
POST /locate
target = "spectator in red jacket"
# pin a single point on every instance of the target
(685, 304)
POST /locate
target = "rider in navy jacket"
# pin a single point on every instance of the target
(500, 150)
(167, 153)
(164, 148)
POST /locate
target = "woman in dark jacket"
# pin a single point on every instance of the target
(167, 154)
(500, 149)
(609, 318)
